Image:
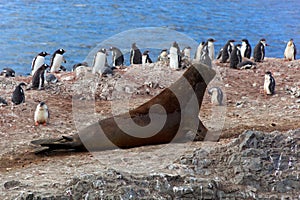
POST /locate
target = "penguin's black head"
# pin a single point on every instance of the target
(292, 40)
(61, 51)
(133, 45)
(146, 52)
(268, 73)
(22, 84)
(103, 50)
(202, 43)
(42, 103)
(44, 53)
(245, 40)
(262, 39)
(211, 40)
(164, 50)
(231, 41)
(238, 45)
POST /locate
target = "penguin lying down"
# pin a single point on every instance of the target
(181, 103)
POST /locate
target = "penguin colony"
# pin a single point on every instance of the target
(237, 55)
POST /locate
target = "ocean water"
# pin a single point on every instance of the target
(31, 26)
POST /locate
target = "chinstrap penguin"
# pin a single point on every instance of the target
(41, 114)
(290, 51)
(56, 60)
(117, 57)
(8, 72)
(246, 49)
(269, 84)
(225, 52)
(38, 61)
(259, 50)
(235, 57)
(18, 95)
(135, 55)
(146, 58)
(216, 95)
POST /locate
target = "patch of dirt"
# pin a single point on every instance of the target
(245, 108)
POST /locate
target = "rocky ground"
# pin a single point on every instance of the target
(256, 156)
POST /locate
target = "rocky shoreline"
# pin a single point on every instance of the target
(255, 158)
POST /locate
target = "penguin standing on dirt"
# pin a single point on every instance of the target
(38, 61)
(174, 56)
(236, 56)
(39, 77)
(100, 61)
(146, 58)
(225, 52)
(8, 72)
(259, 50)
(41, 114)
(186, 53)
(246, 49)
(205, 58)
(198, 51)
(18, 95)
(56, 60)
(269, 84)
(117, 57)
(135, 55)
(216, 95)
(290, 51)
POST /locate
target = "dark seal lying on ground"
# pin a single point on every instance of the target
(181, 104)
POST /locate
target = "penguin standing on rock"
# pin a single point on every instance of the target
(18, 95)
(38, 61)
(41, 114)
(8, 72)
(216, 95)
(100, 61)
(174, 56)
(235, 57)
(198, 52)
(259, 50)
(246, 49)
(269, 84)
(135, 55)
(39, 77)
(146, 58)
(56, 60)
(186, 52)
(163, 56)
(117, 57)
(290, 51)
(225, 52)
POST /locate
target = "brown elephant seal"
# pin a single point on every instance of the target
(181, 103)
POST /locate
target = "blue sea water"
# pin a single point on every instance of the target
(31, 26)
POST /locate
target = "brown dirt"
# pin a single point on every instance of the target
(246, 107)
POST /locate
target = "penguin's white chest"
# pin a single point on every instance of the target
(41, 115)
(57, 60)
(243, 49)
(198, 52)
(211, 51)
(173, 58)
(39, 61)
(289, 52)
(144, 59)
(99, 62)
(267, 84)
